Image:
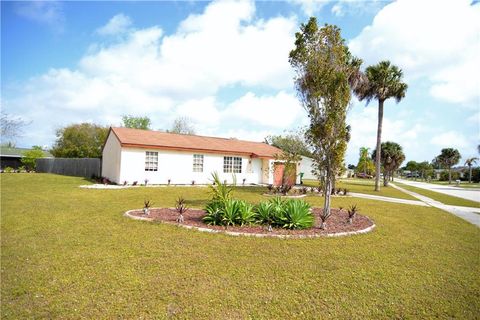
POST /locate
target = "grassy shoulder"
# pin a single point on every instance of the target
(366, 186)
(443, 198)
(68, 252)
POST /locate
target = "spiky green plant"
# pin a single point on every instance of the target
(246, 214)
(297, 215)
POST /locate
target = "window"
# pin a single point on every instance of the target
(232, 165)
(151, 161)
(198, 163)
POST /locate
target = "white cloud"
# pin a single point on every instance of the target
(279, 111)
(450, 139)
(118, 24)
(146, 72)
(310, 7)
(436, 40)
(44, 12)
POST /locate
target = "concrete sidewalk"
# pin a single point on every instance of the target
(388, 199)
(464, 193)
(467, 213)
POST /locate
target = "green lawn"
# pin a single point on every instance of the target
(68, 252)
(443, 198)
(366, 186)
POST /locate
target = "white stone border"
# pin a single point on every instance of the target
(256, 235)
(277, 195)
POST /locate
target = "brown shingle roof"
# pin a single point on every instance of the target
(162, 140)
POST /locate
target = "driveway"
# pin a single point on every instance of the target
(464, 193)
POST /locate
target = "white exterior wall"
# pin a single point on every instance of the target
(111, 159)
(178, 167)
(306, 166)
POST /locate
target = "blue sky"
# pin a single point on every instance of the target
(225, 66)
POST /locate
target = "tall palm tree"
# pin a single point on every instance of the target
(448, 158)
(383, 81)
(470, 162)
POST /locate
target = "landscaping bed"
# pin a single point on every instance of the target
(337, 223)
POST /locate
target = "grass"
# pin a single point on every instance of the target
(366, 186)
(68, 252)
(443, 198)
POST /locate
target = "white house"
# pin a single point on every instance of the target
(135, 155)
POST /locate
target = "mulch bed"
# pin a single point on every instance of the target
(336, 223)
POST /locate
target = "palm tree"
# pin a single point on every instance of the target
(470, 162)
(391, 157)
(383, 81)
(448, 158)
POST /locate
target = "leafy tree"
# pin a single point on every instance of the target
(470, 162)
(325, 73)
(425, 169)
(448, 158)
(293, 143)
(182, 125)
(384, 81)
(11, 128)
(391, 157)
(84, 140)
(364, 161)
(29, 157)
(412, 166)
(136, 122)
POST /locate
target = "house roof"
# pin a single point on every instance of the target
(13, 152)
(185, 142)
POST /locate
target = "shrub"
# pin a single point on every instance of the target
(270, 188)
(345, 192)
(8, 170)
(214, 213)
(297, 215)
(146, 182)
(181, 208)
(230, 212)
(352, 212)
(264, 213)
(444, 176)
(246, 214)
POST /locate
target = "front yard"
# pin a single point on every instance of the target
(68, 252)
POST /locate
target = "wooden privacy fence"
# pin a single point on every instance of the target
(79, 167)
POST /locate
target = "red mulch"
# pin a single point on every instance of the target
(337, 222)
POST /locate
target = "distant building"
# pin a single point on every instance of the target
(11, 157)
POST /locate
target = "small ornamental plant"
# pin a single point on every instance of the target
(125, 182)
(169, 180)
(146, 182)
(147, 204)
(134, 183)
(352, 212)
(181, 208)
(193, 182)
(345, 192)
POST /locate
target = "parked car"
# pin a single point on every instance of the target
(362, 175)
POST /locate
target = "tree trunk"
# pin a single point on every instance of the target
(326, 202)
(379, 145)
(450, 175)
(469, 174)
(385, 178)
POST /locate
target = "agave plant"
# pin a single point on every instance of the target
(265, 214)
(246, 214)
(297, 215)
(230, 212)
(214, 213)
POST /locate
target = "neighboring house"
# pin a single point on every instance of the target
(135, 155)
(11, 157)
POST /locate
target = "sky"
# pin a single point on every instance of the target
(224, 65)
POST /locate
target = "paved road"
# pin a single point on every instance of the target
(469, 214)
(464, 193)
